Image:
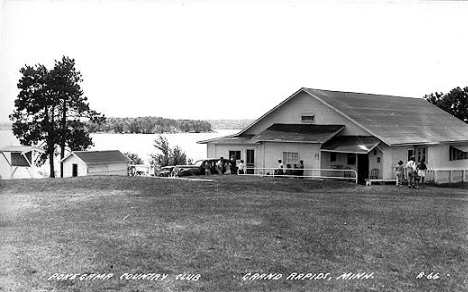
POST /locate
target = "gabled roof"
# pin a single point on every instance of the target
(395, 120)
(96, 157)
(304, 133)
(351, 144)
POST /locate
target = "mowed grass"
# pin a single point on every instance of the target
(228, 227)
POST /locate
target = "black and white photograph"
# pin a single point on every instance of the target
(244, 145)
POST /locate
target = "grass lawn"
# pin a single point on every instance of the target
(228, 229)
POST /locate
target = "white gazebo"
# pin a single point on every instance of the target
(21, 157)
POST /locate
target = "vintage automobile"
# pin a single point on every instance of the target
(196, 169)
(166, 171)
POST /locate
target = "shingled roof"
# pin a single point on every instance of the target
(395, 119)
(96, 157)
(351, 144)
(303, 133)
(231, 139)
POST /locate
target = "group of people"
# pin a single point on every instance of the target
(416, 172)
(225, 166)
(294, 170)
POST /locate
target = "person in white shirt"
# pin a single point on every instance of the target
(412, 172)
(240, 170)
(279, 171)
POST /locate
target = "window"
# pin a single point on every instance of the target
(378, 159)
(290, 158)
(17, 159)
(420, 153)
(410, 153)
(351, 159)
(332, 156)
(457, 154)
(236, 154)
(307, 118)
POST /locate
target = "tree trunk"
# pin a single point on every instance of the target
(51, 161)
(64, 133)
(49, 141)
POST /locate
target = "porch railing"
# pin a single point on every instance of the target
(443, 175)
(341, 174)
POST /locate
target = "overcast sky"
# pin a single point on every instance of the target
(234, 59)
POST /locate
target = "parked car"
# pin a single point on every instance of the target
(166, 171)
(196, 169)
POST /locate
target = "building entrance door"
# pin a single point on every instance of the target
(74, 170)
(250, 160)
(363, 167)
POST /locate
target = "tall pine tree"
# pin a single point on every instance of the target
(51, 108)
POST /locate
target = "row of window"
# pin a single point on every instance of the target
(419, 153)
(457, 154)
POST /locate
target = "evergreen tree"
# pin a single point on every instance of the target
(51, 108)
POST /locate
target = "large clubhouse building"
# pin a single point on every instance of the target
(365, 132)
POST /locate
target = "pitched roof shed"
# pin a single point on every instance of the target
(97, 157)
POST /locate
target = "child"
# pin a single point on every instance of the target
(422, 167)
(207, 167)
(399, 173)
(228, 167)
(240, 170)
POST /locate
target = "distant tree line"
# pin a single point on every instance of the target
(149, 125)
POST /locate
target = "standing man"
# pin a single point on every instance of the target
(412, 172)
(219, 165)
(233, 165)
(301, 168)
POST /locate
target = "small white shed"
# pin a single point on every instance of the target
(83, 163)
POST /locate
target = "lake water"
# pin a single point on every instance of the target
(141, 144)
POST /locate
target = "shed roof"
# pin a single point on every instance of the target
(231, 139)
(303, 133)
(21, 149)
(96, 157)
(395, 119)
(351, 144)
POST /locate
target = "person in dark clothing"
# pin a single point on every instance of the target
(220, 165)
(279, 171)
(296, 170)
(288, 169)
(301, 168)
(233, 165)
